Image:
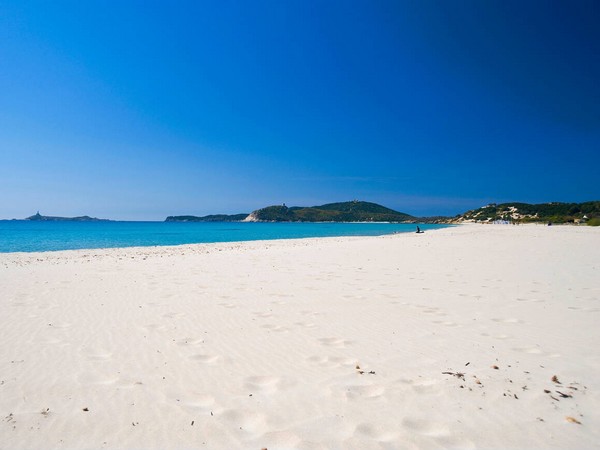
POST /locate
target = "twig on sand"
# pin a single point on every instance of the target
(456, 374)
(564, 395)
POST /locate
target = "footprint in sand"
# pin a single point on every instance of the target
(46, 306)
(274, 327)
(97, 378)
(282, 439)
(154, 304)
(154, 327)
(101, 356)
(364, 391)
(422, 386)
(263, 314)
(447, 323)
(534, 300)
(497, 336)
(205, 358)
(49, 341)
(196, 402)
(228, 305)
(332, 361)
(311, 288)
(426, 427)
(174, 315)
(265, 383)
(124, 383)
(452, 442)
(59, 325)
(509, 320)
(190, 342)
(334, 342)
(502, 336)
(305, 324)
(245, 420)
(376, 432)
(531, 350)
(21, 304)
(96, 354)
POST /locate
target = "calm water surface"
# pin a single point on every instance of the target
(28, 236)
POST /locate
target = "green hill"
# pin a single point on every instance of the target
(354, 211)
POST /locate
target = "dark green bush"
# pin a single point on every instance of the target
(594, 222)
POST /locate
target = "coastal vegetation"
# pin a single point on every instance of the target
(554, 212)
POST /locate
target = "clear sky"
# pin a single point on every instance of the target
(139, 110)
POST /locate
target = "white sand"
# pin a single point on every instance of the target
(256, 345)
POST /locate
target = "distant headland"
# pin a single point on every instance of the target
(39, 218)
(554, 212)
(354, 211)
(210, 218)
(359, 211)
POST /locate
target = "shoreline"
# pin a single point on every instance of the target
(445, 339)
(195, 247)
(192, 246)
(211, 235)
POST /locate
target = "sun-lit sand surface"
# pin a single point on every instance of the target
(449, 339)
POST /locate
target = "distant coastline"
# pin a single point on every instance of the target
(350, 212)
(366, 212)
(39, 218)
(209, 218)
(358, 211)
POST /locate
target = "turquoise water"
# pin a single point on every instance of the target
(26, 236)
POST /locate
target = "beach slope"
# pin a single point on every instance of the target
(478, 336)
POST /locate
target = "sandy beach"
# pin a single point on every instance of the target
(477, 336)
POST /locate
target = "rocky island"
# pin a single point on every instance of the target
(39, 218)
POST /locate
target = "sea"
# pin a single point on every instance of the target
(34, 236)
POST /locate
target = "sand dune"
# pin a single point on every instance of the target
(468, 337)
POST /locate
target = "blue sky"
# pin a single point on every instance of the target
(139, 110)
